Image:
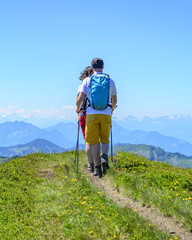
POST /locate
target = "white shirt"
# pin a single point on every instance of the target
(85, 88)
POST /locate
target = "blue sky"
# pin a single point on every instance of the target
(146, 46)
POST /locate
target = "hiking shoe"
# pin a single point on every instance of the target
(91, 167)
(104, 162)
(98, 171)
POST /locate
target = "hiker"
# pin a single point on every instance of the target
(86, 73)
(102, 99)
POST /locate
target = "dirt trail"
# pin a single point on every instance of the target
(166, 224)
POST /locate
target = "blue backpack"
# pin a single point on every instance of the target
(99, 91)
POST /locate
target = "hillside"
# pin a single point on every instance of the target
(6, 159)
(150, 152)
(39, 145)
(156, 154)
(43, 197)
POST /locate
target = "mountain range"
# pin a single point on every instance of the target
(19, 132)
(65, 136)
(169, 144)
(179, 126)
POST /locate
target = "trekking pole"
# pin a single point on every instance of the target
(112, 136)
(77, 146)
(111, 144)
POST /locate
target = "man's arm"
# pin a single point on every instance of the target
(79, 101)
(114, 101)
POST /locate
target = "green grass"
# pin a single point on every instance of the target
(155, 184)
(42, 197)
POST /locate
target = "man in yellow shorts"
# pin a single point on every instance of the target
(98, 120)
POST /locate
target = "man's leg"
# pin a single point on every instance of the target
(90, 158)
(95, 148)
(92, 139)
(104, 137)
(105, 148)
(104, 157)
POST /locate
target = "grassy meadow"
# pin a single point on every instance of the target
(156, 184)
(43, 197)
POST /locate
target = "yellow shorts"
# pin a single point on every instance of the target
(97, 128)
